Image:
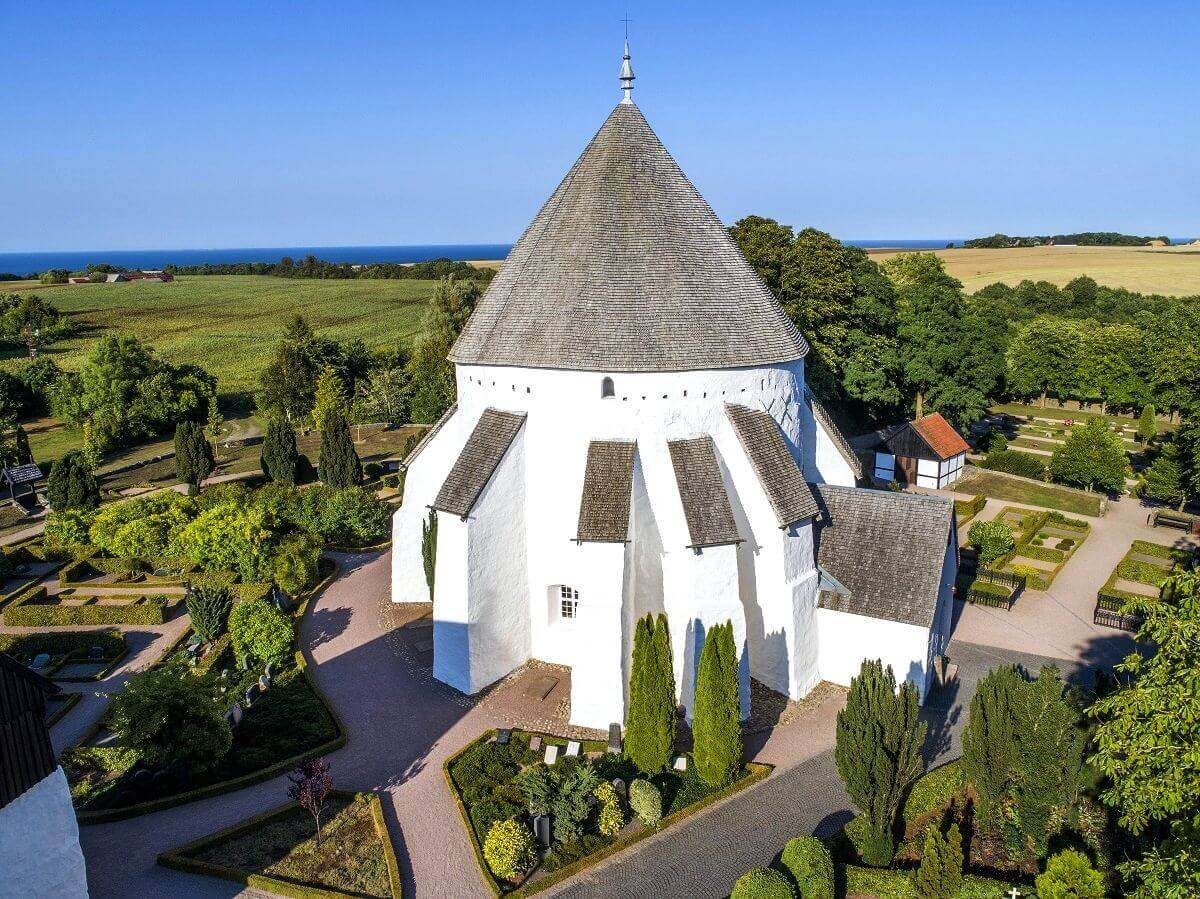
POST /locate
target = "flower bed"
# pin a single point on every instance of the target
(276, 852)
(482, 776)
(1111, 600)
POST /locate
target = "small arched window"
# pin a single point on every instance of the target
(607, 388)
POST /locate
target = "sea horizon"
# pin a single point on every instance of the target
(30, 263)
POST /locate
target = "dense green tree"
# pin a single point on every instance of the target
(1044, 358)
(842, 303)
(716, 713)
(940, 873)
(1145, 743)
(329, 397)
(1112, 368)
(22, 454)
(571, 802)
(170, 719)
(1187, 438)
(72, 484)
(261, 632)
(430, 371)
(878, 752)
(208, 609)
(194, 459)
(989, 743)
(762, 883)
(1147, 428)
(124, 394)
(1163, 478)
(288, 385)
(339, 466)
(1092, 457)
(279, 453)
(294, 562)
(1173, 347)
(383, 396)
(991, 540)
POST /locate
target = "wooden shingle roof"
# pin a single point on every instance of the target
(607, 486)
(706, 506)
(886, 548)
(821, 414)
(477, 462)
(26, 755)
(781, 479)
(626, 268)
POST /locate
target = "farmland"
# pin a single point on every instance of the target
(230, 324)
(1171, 271)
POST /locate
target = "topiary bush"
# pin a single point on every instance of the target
(762, 883)
(991, 539)
(646, 802)
(940, 874)
(508, 850)
(260, 631)
(811, 866)
(1069, 875)
(208, 608)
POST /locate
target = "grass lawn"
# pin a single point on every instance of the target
(350, 858)
(229, 324)
(1048, 496)
(1172, 271)
(1056, 414)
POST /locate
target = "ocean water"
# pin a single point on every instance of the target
(76, 260)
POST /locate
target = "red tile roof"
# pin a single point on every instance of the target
(940, 435)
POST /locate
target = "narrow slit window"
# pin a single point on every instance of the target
(607, 388)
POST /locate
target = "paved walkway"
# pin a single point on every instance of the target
(1058, 622)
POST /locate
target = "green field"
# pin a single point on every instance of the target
(229, 324)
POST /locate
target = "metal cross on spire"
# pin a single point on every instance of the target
(627, 75)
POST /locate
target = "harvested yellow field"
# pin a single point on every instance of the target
(1172, 271)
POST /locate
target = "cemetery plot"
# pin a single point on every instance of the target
(69, 656)
(39, 608)
(540, 808)
(1044, 542)
(1138, 576)
(278, 852)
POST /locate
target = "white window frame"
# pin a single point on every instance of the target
(565, 608)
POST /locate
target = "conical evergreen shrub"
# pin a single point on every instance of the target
(878, 752)
(716, 713)
(194, 459)
(279, 453)
(72, 484)
(650, 718)
(339, 466)
(940, 874)
(662, 687)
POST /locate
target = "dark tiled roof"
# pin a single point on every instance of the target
(940, 435)
(835, 434)
(626, 268)
(477, 462)
(429, 435)
(702, 489)
(26, 756)
(886, 548)
(607, 485)
(786, 489)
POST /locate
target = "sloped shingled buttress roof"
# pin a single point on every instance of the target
(607, 486)
(480, 456)
(706, 506)
(789, 494)
(626, 268)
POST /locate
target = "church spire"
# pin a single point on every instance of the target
(626, 76)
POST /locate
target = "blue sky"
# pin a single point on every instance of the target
(161, 124)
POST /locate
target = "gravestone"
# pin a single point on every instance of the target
(161, 781)
(551, 755)
(234, 715)
(680, 763)
(251, 693)
(614, 737)
(572, 747)
(269, 671)
(619, 786)
(535, 743)
(503, 736)
(541, 831)
(41, 660)
(263, 683)
(224, 674)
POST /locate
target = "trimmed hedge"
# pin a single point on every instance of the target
(1011, 461)
(33, 611)
(967, 509)
(179, 857)
(63, 643)
(762, 883)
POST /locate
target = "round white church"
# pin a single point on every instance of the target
(633, 434)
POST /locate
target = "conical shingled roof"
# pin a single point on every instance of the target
(626, 268)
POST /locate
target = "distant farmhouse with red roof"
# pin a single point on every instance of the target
(927, 452)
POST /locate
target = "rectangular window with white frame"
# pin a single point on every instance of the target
(568, 603)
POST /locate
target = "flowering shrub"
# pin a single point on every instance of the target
(508, 850)
(612, 818)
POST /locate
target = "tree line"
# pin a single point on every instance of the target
(312, 267)
(1082, 239)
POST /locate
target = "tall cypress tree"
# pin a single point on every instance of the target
(194, 460)
(716, 714)
(663, 688)
(638, 716)
(1147, 428)
(429, 549)
(339, 466)
(72, 484)
(279, 453)
(878, 752)
(988, 742)
(21, 446)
